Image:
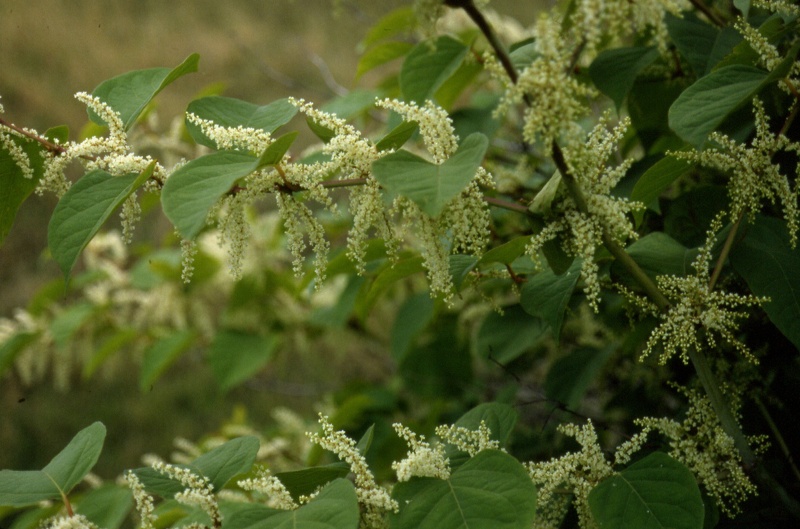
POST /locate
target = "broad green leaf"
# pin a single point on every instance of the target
(335, 507)
(236, 356)
(429, 185)
(772, 268)
(570, 376)
(506, 252)
(398, 136)
(161, 355)
(218, 465)
(614, 71)
(523, 54)
(130, 92)
(490, 491)
(230, 112)
(19, 488)
(506, 337)
(460, 267)
(447, 94)
(412, 318)
(657, 178)
(440, 368)
(428, 66)
(84, 208)
(381, 54)
(193, 189)
(306, 481)
(546, 295)
(275, 152)
(338, 314)
(16, 188)
(694, 38)
(387, 277)
(498, 417)
(353, 103)
(702, 107)
(659, 254)
(106, 506)
(397, 22)
(656, 491)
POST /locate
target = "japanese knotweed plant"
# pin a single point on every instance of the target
(588, 161)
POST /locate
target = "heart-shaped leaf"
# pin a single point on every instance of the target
(429, 185)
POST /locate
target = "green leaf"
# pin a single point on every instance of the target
(659, 254)
(62, 473)
(490, 491)
(412, 318)
(231, 112)
(193, 189)
(498, 417)
(16, 188)
(694, 38)
(236, 356)
(428, 66)
(656, 491)
(506, 252)
(546, 295)
(657, 178)
(106, 506)
(12, 346)
(306, 481)
(460, 267)
(398, 136)
(614, 71)
(69, 321)
(130, 92)
(335, 507)
(84, 208)
(703, 106)
(772, 268)
(162, 354)
(109, 346)
(506, 337)
(570, 376)
(387, 277)
(274, 154)
(397, 22)
(381, 54)
(429, 185)
(218, 465)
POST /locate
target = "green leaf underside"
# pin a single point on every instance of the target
(236, 356)
(546, 295)
(163, 354)
(16, 188)
(193, 189)
(62, 473)
(218, 465)
(490, 491)
(230, 112)
(335, 507)
(655, 492)
(84, 208)
(130, 92)
(771, 268)
(428, 66)
(614, 71)
(429, 185)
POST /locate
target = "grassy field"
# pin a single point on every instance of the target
(50, 49)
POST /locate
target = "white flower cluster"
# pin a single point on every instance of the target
(466, 440)
(239, 138)
(75, 521)
(198, 490)
(144, 502)
(422, 460)
(374, 499)
(270, 486)
(582, 233)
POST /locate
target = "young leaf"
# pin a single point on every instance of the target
(273, 154)
(657, 178)
(398, 136)
(656, 491)
(84, 208)
(236, 356)
(162, 354)
(195, 187)
(429, 185)
(490, 491)
(506, 252)
(19, 488)
(772, 268)
(614, 71)
(546, 295)
(428, 66)
(306, 481)
(230, 112)
(130, 92)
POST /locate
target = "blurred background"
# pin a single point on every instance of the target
(259, 51)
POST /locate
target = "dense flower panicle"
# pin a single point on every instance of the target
(581, 233)
(144, 502)
(697, 311)
(270, 486)
(778, 6)
(198, 490)
(578, 472)
(241, 138)
(17, 153)
(754, 178)
(466, 440)
(375, 500)
(700, 443)
(75, 521)
(422, 460)
(299, 220)
(435, 126)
